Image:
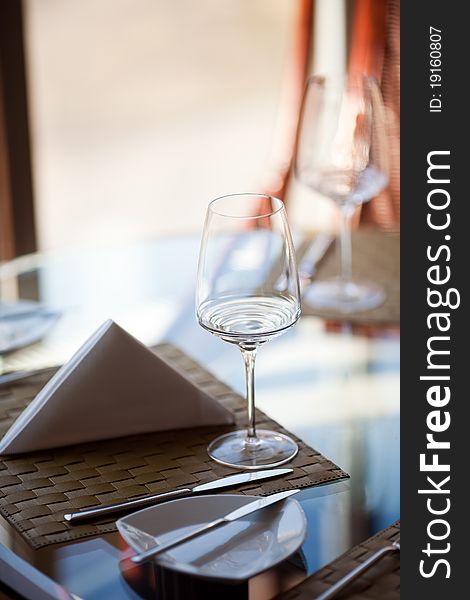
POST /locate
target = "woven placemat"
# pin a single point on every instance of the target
(376, 258)
(37, 489)
(380, 581)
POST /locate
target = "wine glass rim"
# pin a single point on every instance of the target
(278, 201)
(338, 79)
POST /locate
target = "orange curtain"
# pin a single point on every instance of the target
(275, 180)
(375, 49)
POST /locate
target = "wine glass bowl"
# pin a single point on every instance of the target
(342, 154)
(247, 294)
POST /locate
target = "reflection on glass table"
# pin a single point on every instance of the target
(339, 391)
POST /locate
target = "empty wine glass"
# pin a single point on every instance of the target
(342, 153)
(247, 294)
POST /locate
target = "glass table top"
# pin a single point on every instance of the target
(335, 388)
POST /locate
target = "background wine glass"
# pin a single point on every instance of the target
(342, 153)
(247, 294)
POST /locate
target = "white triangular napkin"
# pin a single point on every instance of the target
(113, 386)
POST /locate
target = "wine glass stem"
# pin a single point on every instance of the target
(345, 244)
(249, 357)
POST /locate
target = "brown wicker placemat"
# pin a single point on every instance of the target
(376, 257)
(382, 581)
(37, 489)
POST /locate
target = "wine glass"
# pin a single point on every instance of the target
(247, 294)
(342, 153)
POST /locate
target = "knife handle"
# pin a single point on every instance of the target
(138, 559)
(111, 509)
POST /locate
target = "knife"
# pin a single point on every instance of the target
(225, 482)
(239, 513)
(14, 376)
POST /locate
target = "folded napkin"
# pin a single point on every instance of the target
(113, 386)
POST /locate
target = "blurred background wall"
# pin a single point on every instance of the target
(122, 119)
(143, 111)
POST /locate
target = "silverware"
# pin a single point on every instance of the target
(26, 314)
(358, 571)
(14, 376)
(315, 252)
(224, 482)
(228, 518)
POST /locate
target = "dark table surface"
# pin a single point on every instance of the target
(335, 387)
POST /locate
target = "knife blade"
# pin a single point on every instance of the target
(224, 482)
(238, 513)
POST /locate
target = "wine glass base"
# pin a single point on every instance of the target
(268, 449)
(345, 297)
